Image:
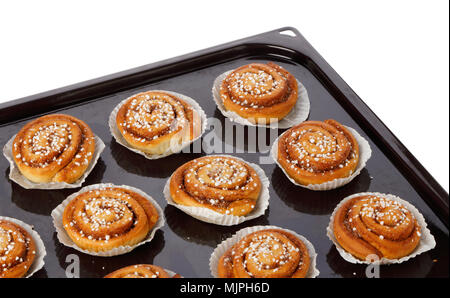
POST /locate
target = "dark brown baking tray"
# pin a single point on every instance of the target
(185, 244)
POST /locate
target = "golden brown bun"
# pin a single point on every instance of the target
(223, 184)
(315, 152)
(260, 92)
(17, 250)
(154, 122)
(106, 218)
(54, 148)
(139, 271)
(270, 253)
(371, 225)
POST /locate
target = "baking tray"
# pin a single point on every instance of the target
(184, 244)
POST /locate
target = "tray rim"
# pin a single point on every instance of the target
(420, 179)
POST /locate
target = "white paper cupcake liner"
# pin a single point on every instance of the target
(299, 113)
(426, 243)
(364, 155)
(115, 132)
(16, 176)
(38, 262)
(222, 248)
(63, 237)
(210, 216)
(171, 273)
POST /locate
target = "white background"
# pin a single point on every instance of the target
(394, 54)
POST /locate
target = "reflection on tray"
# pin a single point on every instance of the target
(200, 232)
(139, 165)
(32, 200)
(92, 266)
(315, 202)
(413, 269)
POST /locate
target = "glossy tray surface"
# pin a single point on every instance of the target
(184, 244)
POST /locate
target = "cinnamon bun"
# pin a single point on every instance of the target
(223, 184)
(314, 152)
(17, 250)
(140, 271)
(155, 122)
(259, 92)
(101, 219)
(270, 253)
(54, 148)
(376, 225)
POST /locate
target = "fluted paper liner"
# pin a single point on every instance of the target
(172, 274)
(222, 248)
(38, 262)
(298, 114)
(426, 243)
(364, 155)
(115, 132)
(210, 216)
(16, 176)
(63, 237)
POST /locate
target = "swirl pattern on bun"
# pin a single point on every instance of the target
(105, 218)
(54, 148)
(259, 92)
(17, 250)
(376, 225)
(314, 152)
(271, 253)
(155, 122)
(221, 183)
